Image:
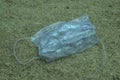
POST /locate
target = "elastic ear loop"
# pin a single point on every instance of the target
(104, 60)
(14, 53)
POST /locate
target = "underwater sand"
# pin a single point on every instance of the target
(23, 18)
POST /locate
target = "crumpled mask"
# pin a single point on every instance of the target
(62, 39)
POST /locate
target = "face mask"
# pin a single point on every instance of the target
(62, 39)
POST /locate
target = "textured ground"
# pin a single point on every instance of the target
(22, 18)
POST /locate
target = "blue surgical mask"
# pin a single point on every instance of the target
(62, 39)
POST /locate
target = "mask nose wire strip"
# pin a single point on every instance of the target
(15, 56)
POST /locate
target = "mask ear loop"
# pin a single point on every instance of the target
(14, 53)
(104, 60)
